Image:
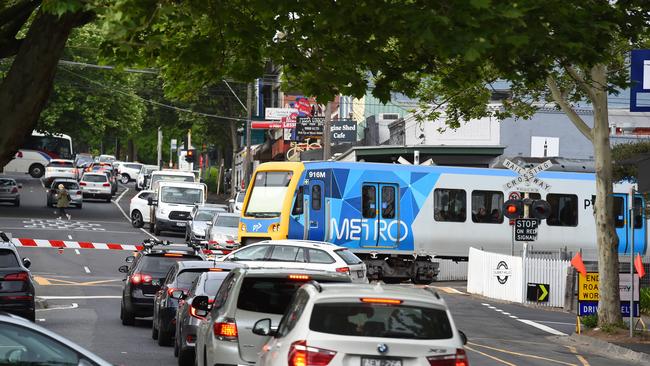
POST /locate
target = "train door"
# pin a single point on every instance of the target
(390, 229)
(316, 208)
(369, 214)
(620, 222)
(640, 229)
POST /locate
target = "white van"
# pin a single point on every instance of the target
(173, 203)
(169, 175)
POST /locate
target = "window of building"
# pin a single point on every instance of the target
(487, 207)
(564, 210)
(388, 202)
(369, 202)
(450, 205)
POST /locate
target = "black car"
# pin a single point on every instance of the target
(145, 276)
(16, 285)
(179, 277)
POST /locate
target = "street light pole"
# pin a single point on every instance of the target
(327, 132)
(249, 115)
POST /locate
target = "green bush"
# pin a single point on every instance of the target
(590, 321)
(644, 298)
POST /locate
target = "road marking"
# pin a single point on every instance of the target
(523, 354)
(64, 307)
(505, 313)
(42, 281)
(490, 356)
(76, 251)
(58, 282)
(148, 233)
(582, 360)
(80, 297)
(550, 322)
(70, 237)
(40, 319)
(120, 196)
(67, 225)
(86, 269)
(513, 317)
(542, 327)
(116, 202)
(449, 290)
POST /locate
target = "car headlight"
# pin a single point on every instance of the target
(163, 211)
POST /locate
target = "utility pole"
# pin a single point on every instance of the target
(159, 161)
(248, 162)
(327, 132)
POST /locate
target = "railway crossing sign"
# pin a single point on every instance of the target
(527, 180)
(526, 229)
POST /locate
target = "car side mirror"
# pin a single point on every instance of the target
(178, 294)
(129, 259)
(26, 262)
(463, 337)
(263, 328)
(201, 303)
(123, 269)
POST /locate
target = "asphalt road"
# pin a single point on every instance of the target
(83, 289)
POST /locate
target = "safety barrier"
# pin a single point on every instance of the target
(508, 278)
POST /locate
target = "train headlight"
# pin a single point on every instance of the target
(243, 227)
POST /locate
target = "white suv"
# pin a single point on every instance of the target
(305, 254)
(96, 185)
(60, 168)
(366, 325)
(128, 171)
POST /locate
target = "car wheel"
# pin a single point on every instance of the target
(156, 229)
(185, 357)
(136, 219)
(36, 170)
(17, 203)
(108, 199)
(125, 179)
(164, 337)
(127, 318)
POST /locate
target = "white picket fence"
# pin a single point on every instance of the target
(451, 271)
(505, 277)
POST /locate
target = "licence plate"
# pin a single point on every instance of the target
(93, 191)
(380, 362)
(360, 274)
(181, 224)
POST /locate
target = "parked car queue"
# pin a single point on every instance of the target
(247, 309)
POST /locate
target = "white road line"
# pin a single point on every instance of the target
(116, 202)
(513, 317)
(148, 233)
(499, 310)
(504, 313)
(550, 322)
(70, 237)
(120, 196)
(543, 327)
(76, 251)
(40, 319)
(65, 307)
(80, 297)
(86, 269)
(484, 304)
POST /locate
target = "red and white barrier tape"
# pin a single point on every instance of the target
(44, 243)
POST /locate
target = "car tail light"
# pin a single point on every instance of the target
(20, 276)
(343, 270)
(299, 277)
(139, 278)
(19, 154)
(106, 185)
(459, 359)
(373, 300)
(226, 329)
(302, 355)
(82, 183)
(14, 190)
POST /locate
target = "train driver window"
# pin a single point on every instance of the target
(369, 201)
(450, 205)
(564, 210)
(388, 202)
(300, 202)
(486, 207)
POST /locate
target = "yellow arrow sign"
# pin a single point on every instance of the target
(544, 292)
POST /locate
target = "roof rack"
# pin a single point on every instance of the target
(150, 243)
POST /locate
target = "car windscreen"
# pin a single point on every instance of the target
(171, 178)
(276, 292)
(158, 265)
(61, 164)
(267, 196)
(181, 195)
(227, 221)
(8, 258)
(348, 257)
(67, 185)
(380, 320)
(7, 183)
(205, 215)
(94, 178)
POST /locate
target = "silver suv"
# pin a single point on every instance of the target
(245, 296)
(364, 325)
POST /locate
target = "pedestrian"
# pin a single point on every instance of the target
(62, 201)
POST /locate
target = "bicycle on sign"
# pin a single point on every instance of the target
(298, 147)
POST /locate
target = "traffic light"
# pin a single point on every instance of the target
(190, 156)
(513, 209)
(540, 209)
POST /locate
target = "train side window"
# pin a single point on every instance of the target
(638, 212)
(486, 207)
(300, 202)
(388, 202)
(564, 210)
(316, 198)
(450, 205)
(369, 202)
(619, 212)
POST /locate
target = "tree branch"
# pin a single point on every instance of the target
(568, 110)
(584, 85)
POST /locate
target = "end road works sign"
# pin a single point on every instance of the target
(588, 294)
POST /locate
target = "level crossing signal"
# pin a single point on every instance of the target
(514, 209)
(190, 156)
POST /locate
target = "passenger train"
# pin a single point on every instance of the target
(398, 217)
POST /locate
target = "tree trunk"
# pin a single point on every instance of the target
(609, 311)
(25, 90)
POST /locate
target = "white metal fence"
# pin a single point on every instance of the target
(506, 277)
(451, 271)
